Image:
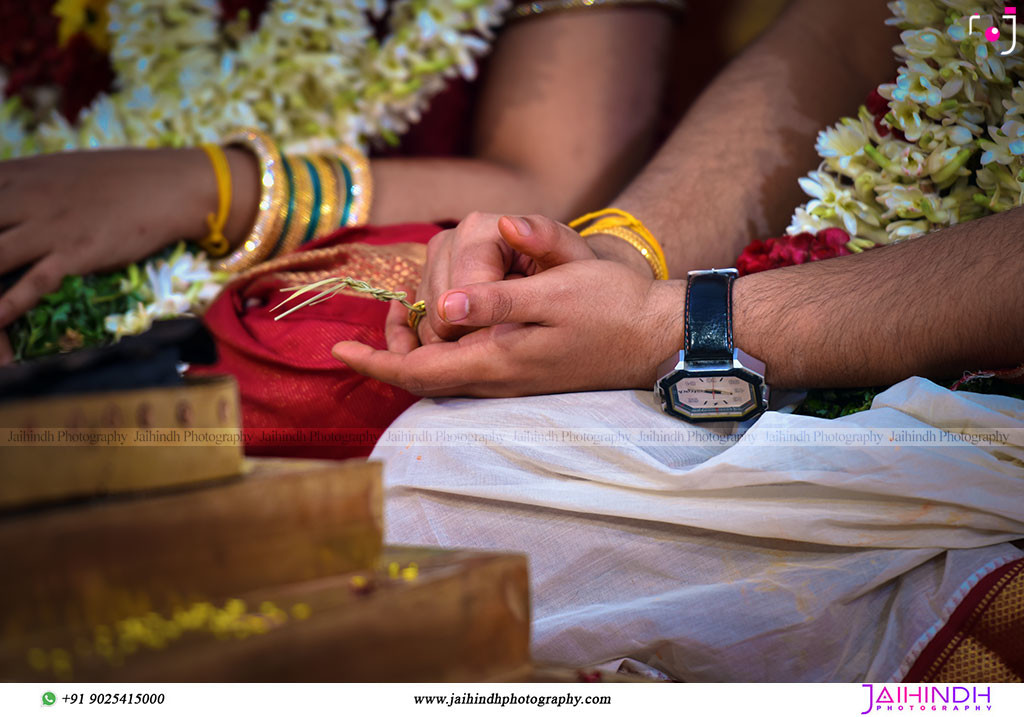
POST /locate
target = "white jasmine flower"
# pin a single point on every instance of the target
(907, 118)
(915, 12)
(1014, 106)
(1006, 143)
(803, 221)
(918, 81)
(907, 229)
(134, 321)
(927, 44)
(843, 145)
(911, 202)
(831, 199)
(182, 284)
(904, 160)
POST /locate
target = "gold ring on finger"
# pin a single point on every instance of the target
(416, 313)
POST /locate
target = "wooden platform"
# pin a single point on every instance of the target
(276, 575)
(75, 446)
(420, 616)
(83, 564)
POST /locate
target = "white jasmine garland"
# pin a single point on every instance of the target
(181, 284)
(313, 70)
(959, 104)
(312, 74)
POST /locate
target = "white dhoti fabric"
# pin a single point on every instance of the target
(738, 561)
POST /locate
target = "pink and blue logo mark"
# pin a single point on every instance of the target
(992, 34)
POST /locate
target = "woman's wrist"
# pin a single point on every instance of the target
(245, 193)
(197, 173)
(191, 187)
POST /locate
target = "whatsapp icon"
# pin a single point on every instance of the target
(49, 698)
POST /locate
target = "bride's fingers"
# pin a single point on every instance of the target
(6, 351)
(544, 240)
(12, 202)
(41, 279)
(400, 337)
(18, 246)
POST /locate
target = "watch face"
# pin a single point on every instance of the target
(714, 398)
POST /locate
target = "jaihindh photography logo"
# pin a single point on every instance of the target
(992, 32)
(927, 698)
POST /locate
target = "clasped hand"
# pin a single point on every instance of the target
(536, 312)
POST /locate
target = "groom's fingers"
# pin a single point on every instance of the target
(523, 301)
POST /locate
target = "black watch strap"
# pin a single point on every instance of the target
(708, 323)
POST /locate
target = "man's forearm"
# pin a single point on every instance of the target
(728, 173)
(933, 306)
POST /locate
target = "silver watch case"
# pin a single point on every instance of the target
(743, 366)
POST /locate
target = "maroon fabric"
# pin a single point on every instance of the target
(298, 400)
(975, 618)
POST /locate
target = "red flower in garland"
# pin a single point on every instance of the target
(229, 10)
(764, 254)
(28, 44)
(82, 72)
(35, 57)
(878, 106)
(30, 50)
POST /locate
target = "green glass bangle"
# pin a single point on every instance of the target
(347, 174)
(289, 211)
(314, 218)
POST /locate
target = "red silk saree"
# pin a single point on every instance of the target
(297, 399)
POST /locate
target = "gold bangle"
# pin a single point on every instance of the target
(214, 243)
(330, 202)
(625, 226)
(637, 243)
(299, 208)
(362, 185)
(265, 232)
(543, 7)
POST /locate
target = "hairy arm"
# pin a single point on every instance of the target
(934, 306)
(728, 172)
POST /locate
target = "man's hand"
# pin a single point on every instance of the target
(476, 252)
(573, 323)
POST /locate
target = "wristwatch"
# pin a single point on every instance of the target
(711, 380)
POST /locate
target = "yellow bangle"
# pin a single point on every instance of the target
(215, 244)
(625, 226)
(265, 233)
(634, 241)
(361, 190)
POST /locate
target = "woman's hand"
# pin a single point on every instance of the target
(476, 252)
(78, 212)
(572, 324)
